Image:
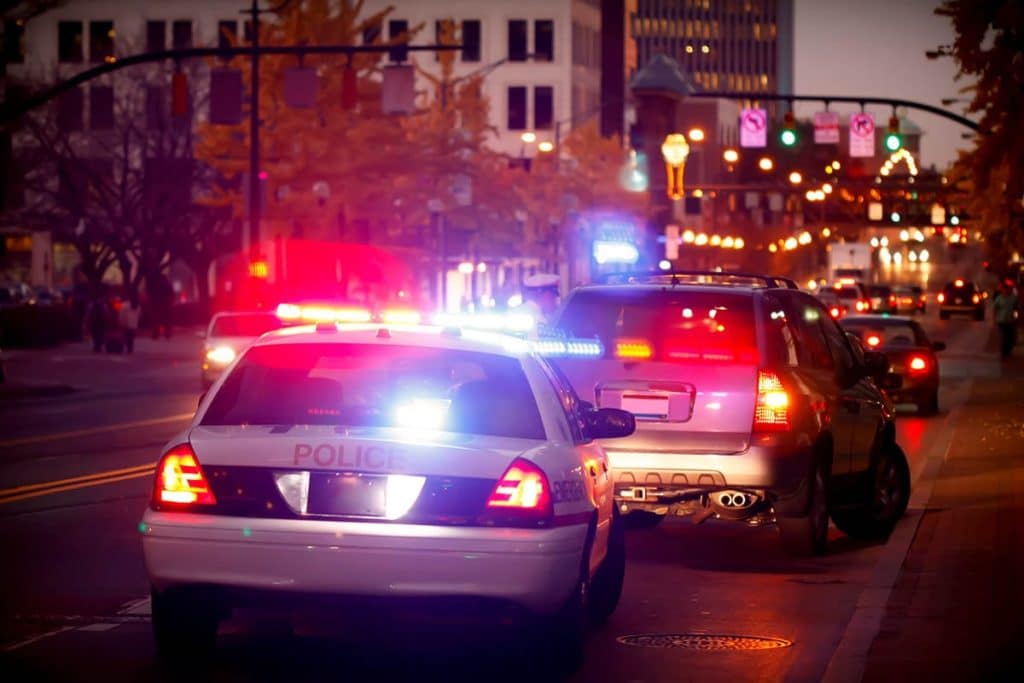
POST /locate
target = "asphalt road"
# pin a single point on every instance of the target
(75, 476)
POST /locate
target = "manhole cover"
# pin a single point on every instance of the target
(703, 641)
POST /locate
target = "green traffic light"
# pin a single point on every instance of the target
(893, 142)
(788, 137)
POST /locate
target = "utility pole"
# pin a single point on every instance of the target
(254, 137)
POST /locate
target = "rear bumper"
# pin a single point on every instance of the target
(532, 568)
(969, 309)
(777, 471)
(914, 389)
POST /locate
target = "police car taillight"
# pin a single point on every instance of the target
(521, 497)
(180, 481)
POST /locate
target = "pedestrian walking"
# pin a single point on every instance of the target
(128, 319)
(96, 321)
(1005, 307)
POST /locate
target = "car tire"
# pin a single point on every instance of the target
(606, 586)
(928, 404)
(641, 519)
(563, 638)
(808, 534)
(184, 624)
(890, 494)
(943, 315)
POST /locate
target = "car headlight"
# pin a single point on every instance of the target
(221, 355)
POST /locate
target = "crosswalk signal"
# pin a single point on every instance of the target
(893, 139)
(788, 135)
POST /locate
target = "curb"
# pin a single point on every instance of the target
(849, 659)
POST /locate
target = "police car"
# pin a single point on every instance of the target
(371, 461)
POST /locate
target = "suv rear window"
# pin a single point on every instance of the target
(967, 288)
(668, 325)
(847, 293)
(366, 385)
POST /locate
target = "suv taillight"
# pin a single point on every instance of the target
(522, 497)
(771, 411)
(180, 482)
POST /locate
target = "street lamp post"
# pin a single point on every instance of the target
(674, 151)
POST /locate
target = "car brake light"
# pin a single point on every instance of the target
(633, 349)
(834, 312)
(180, 480)
(892, 298)
(521, 497)
(873, 340)
(958, 283)
(771, 411)
(941, 297)
(863, 305)
(976, 299)
(917, 364)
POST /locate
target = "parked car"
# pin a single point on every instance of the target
(883, 299)
(751, 405)
(911, 357)
(227, 336)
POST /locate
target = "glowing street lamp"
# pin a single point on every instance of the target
(674, 150)
(528, 137)
(730, 156)
(796, 178)
(765, 164)
(546, 146)
(695, 135)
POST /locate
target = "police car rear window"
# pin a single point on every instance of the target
(366, 385)
(668, 325)
(244, 325)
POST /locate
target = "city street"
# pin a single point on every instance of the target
(75, 474)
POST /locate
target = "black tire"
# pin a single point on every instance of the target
(184, 624)
(943, 315)
(890, 493)
(562, 640)
(641, 519)
(606, 586)
(808, 534)
(929, 404)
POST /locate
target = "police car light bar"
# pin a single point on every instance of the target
(321, 314)
(499, 322)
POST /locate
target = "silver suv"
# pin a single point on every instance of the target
(751, 404)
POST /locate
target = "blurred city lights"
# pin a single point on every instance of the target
(664, 264)
(731, 156)
(805, 238)
(765, 163)
(466, 268)
(796, 178)
(528, 137)
(923, 256)
(546, 146)
(827, 188)
(695, 135)
(874, 241)
(826, 232)
(701, 240)
(791, 244)
(835, 165)
(772, 248)
(715, 240)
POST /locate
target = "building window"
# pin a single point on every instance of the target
(543, 107)
(544, 40)
(156, 36)
(517, 108)
(14, 47)
(69, 42)
(69, 110)
(181, 34)
(227, 33)
(101, 107)
(471, 40)
(517, 49)
(399, 28)
(101, 40)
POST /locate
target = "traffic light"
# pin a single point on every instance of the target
(893, 139)
(788, 135)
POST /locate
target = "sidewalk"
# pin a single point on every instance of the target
(956, 612)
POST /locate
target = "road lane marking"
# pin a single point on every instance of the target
(60, 436)
(74, 480)
(75, 487)
(35, 639)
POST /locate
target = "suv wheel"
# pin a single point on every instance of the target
(641, 519)
(890, 493)
(606, 587)
(808, 535)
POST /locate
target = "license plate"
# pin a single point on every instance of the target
(646, 406)
(348, 494)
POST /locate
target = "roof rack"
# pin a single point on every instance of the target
(709, 277)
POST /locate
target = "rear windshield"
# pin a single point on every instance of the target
(880, 290)
(244, 325)
(363, 385)
(894, 333)
(664, 324)
(847, 293)
(966, 288)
